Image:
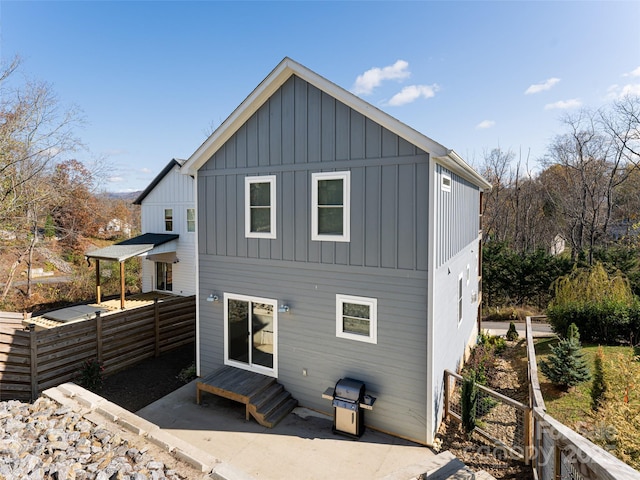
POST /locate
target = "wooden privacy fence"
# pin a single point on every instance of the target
(32, 361)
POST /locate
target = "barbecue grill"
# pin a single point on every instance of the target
(349, 402)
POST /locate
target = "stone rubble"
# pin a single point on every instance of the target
(47, 441)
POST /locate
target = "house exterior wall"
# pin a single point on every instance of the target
(300, 131)
(456, 250)
(175, 191)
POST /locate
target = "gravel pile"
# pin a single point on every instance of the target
(46, 441)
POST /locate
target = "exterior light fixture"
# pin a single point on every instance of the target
(212, 298)
(283, 309)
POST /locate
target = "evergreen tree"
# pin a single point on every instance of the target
(565, 366)
(599, 386)
(512, 333)
(469, 401)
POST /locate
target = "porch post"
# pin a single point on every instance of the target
(122, 285)
(98, 292)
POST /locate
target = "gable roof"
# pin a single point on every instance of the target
(156, 181)
(285, 69)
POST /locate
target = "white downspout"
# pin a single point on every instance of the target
(197, 273)
(430, 341)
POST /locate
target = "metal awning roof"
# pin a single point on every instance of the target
(132, 247)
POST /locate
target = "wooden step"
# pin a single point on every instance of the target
(271, 405)
(285, 409)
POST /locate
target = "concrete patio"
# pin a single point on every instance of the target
(302, 446)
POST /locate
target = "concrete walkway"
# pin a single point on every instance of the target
(302, 446)
(539, 329)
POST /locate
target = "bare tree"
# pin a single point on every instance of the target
(35, 132)
(590, 162)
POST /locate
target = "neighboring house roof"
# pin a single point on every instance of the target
(155, 181)
(285, 69)
(132, 247)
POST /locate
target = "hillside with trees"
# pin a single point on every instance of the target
(51, 209)
(585, 200)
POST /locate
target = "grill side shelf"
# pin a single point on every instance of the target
(328, 394)
(368, 402)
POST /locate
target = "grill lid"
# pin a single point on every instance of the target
(349, 389)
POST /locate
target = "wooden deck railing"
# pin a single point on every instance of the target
(31, 361)
(554, 450)
(559, 452)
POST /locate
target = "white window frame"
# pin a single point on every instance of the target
(252, 367)
(271, 179)
(168, 219)
(445, 182)
(372, 303)
(460, 298)
(194, 220)
(346, 206)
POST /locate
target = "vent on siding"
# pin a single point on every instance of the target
(445, 183)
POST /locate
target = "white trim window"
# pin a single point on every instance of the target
(260, 207)
(191, 220)
(168, 219)
(330, 206)
(357, 318)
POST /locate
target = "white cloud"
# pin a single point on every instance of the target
(485, 124)
(541, 87)
(115, 179)
(616, 92)
(145, 170)
(372, 78)
(411, 93)
(564, 104)
(633, 73)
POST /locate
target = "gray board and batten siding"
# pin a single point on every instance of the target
(298, 131)
(457, 220)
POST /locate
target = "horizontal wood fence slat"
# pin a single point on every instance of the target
(32, 361)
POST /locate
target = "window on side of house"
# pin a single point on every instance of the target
(330, 204)
(260, 206)
(191, 219)
(168, 219)
(460, 298)
(164, 276)
(357, 318)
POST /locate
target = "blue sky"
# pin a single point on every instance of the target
(153, 78)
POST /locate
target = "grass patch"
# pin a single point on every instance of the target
(619, 415)
(572, 406)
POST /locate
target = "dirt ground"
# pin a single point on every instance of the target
(510, 379)
(149, 380)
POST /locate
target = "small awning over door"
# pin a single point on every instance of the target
(154, 243)
(136, 246)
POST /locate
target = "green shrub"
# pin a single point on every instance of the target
(187, 374)
(512, 333)
(469, 400)
(599, 386)
(90, 376)
(565, 366)
(602, 306)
